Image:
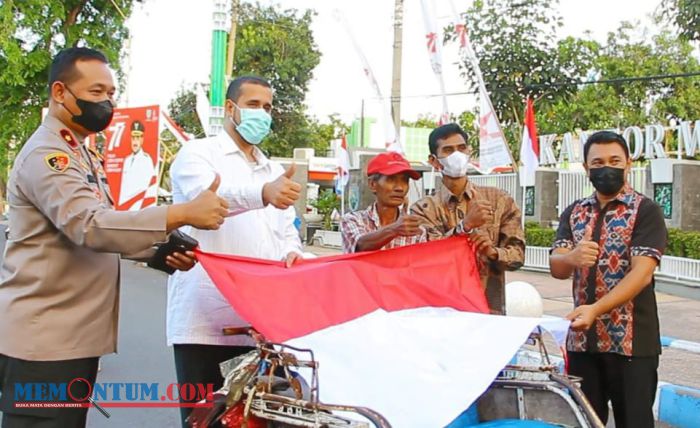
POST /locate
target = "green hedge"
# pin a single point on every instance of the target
(536, 236)
(683, 244)
(680, 243)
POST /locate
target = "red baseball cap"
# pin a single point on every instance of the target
(390, 163)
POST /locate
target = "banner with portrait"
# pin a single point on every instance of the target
(131, 157)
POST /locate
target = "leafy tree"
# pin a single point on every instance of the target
(624, 104)
(321, 134)
(182, 109)
(423, 121)
(518, 54)
(685, 14)
(279, 46)
(31, 33)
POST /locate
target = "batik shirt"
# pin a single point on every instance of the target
(630, 225)
(442, 216)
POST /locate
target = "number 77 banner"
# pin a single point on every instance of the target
(132, 157)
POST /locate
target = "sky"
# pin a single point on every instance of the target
(171, 47)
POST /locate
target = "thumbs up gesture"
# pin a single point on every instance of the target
(479, 212)
(207, 210)
(586, 252)
(282, 192)
(406, 224)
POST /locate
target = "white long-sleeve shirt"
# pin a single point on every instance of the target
(196, 309)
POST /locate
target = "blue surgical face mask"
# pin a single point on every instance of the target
(255, 124)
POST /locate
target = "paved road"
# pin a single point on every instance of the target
(144, 357)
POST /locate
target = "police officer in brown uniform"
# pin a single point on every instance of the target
(59, 279)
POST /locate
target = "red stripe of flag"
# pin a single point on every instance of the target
(317, 293)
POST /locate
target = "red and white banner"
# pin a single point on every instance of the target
(343, 166)
(434, 44)
(402, 331)
(131, 157)
(529, 148)
(318, 293)
(493, 148)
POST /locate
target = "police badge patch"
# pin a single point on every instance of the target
(58, 161)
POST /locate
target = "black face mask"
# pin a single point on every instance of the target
(95, 116)
(607, 180)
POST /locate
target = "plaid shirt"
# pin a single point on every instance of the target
(443, 213)
(358, 223)
(630, 225)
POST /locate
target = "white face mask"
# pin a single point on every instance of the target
(455, 165)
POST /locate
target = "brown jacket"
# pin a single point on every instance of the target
(59, 279)
(442, 212)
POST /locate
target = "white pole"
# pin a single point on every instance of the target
(522, 214)
(342, 203)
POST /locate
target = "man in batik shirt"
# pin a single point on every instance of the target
(612, 242)
(488, 215)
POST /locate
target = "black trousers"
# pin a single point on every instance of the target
(628, 382)
(16, 374)
(199, 364)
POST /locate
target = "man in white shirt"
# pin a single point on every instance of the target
(139, 176)
(261, 195)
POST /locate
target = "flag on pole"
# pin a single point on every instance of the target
(493, 148)
(434, 44)
(402, 331)
(343, 166)
(529, 148)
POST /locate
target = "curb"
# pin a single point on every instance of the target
(677, 405)
(685, 345)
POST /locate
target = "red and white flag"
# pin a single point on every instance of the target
(402, 331)
(493, 148)
(343, 166)
(529, 148)
(434, 44)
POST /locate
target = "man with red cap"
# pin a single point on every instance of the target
(386, 223)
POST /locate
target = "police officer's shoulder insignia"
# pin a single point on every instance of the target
(69, 138)
(58, 161)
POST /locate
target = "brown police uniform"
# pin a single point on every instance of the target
(59, 279)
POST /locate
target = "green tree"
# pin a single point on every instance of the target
(685, 14)
(623, 104)
(519, 54)
(321, 134)
(31, 33)
(428, 120)
(279, 45)
(182, 109)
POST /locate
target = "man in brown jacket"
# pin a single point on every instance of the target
(487, 214)
(59, 279)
